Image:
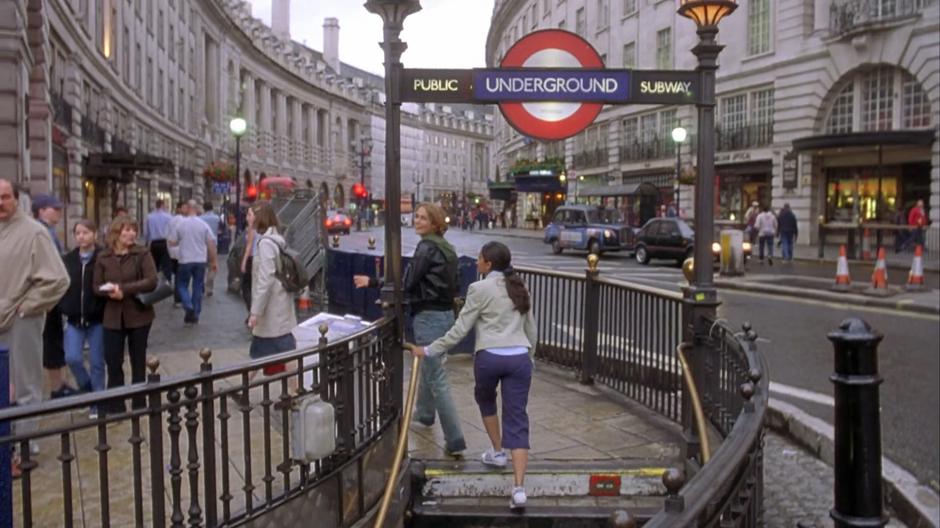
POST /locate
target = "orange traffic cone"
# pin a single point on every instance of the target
(879, 279)
(304, 304)
(866, 246)
(843, 279)
(915, 279)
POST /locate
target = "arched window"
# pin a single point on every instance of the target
(869, 101)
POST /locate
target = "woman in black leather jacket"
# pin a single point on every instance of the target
(430, 286)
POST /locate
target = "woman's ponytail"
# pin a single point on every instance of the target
(499, 256)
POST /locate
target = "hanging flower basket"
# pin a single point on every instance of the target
(219, 171)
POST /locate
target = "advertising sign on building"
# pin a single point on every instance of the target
(791, 170)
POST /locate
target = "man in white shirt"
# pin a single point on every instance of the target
(766, 225)
(182, 210)
(213, 221)
(196, 246)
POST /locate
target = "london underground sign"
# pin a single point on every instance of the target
(551, 85)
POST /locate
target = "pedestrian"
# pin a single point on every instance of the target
(182, 211)
(155, 232)
(272, 316)
(48, 211)
(122, 270)
(917, 221)
(197, 250)
(429, 287)
(750, 218)
(901, 236)
(498, 309)
(251, 246)
(788, 229)
(213, 221)
(34, 279)
(84, 312)
(766, 226)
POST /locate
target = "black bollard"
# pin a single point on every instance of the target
(858, 498)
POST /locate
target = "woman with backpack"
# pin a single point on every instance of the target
(84, 312)
(272, 316)
(498, 310)
(122, 270)
(430, 286)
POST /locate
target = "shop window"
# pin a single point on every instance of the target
(874, 193)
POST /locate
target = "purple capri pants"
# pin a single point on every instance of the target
(514, 373)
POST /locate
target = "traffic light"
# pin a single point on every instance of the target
(251, 193)
(359, 190)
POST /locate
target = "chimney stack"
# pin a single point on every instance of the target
(280, 18)
(331, 42)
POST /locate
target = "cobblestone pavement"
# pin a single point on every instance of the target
(797, 487)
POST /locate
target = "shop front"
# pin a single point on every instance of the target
(739, 185)
(637, 202)
(539, 194)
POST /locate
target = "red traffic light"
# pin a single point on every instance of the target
(359, 190)
(251, 192)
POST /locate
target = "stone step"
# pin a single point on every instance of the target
(541, 512)
(617, 478)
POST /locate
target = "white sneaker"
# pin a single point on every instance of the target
(493, 458)
(518, 498)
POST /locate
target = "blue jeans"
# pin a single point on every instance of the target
(786, 245)
(75, 338)
(767, 240)
(434, 390)
(195, 271)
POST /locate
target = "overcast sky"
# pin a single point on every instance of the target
(444, 34)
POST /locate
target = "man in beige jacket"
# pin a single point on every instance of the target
(34, 281)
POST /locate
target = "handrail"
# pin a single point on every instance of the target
(696, 402)
(83, 401)
(642, 288)
(402, 443)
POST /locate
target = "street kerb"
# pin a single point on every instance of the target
(914, 504)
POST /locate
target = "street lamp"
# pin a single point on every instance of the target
(678, 136)
(238, 126)
(706, 14)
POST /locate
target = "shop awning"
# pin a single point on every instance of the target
(862, 139)
(625, 189)
(121, 167)
(501, 190)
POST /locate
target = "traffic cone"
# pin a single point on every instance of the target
(879, 279)
(915, 279)
(866, 246)
(304, 304)
(843, 279)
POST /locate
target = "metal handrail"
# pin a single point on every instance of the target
(696, 402)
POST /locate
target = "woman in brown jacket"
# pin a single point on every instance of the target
(122, 270)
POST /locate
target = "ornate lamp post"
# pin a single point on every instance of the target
(706, 14)
(678, 136)
(238, 126)
(701, 299)
(393, 13)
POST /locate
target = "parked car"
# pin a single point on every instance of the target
(594, 228)
(671, 238)
(337, 222)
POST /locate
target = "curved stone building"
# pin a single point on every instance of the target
(110, 103)
(829, 105)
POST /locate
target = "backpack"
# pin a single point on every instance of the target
(290, 270)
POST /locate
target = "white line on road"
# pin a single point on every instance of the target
(801, 394)
(828, 304)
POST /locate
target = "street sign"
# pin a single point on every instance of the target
(220, 188)
(551, 84)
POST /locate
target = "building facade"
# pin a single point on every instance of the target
(118, 103)
(829, 105)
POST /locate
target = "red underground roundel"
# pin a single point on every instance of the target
(551, 48)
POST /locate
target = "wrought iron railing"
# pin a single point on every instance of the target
(651, 149)
(196, 457)
(744, 137)
(92, 133)
(847, 16)
(590, 158)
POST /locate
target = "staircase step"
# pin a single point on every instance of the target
(544, 479)
(541, 512)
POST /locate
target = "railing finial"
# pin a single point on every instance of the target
(323, 329)
(592, 261)
(674, 479)
(153, 363)
(371, 242)
(621, 519)
(205, 353)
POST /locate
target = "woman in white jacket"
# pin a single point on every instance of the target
(272, 315)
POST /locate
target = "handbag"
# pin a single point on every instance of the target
(163, 290)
